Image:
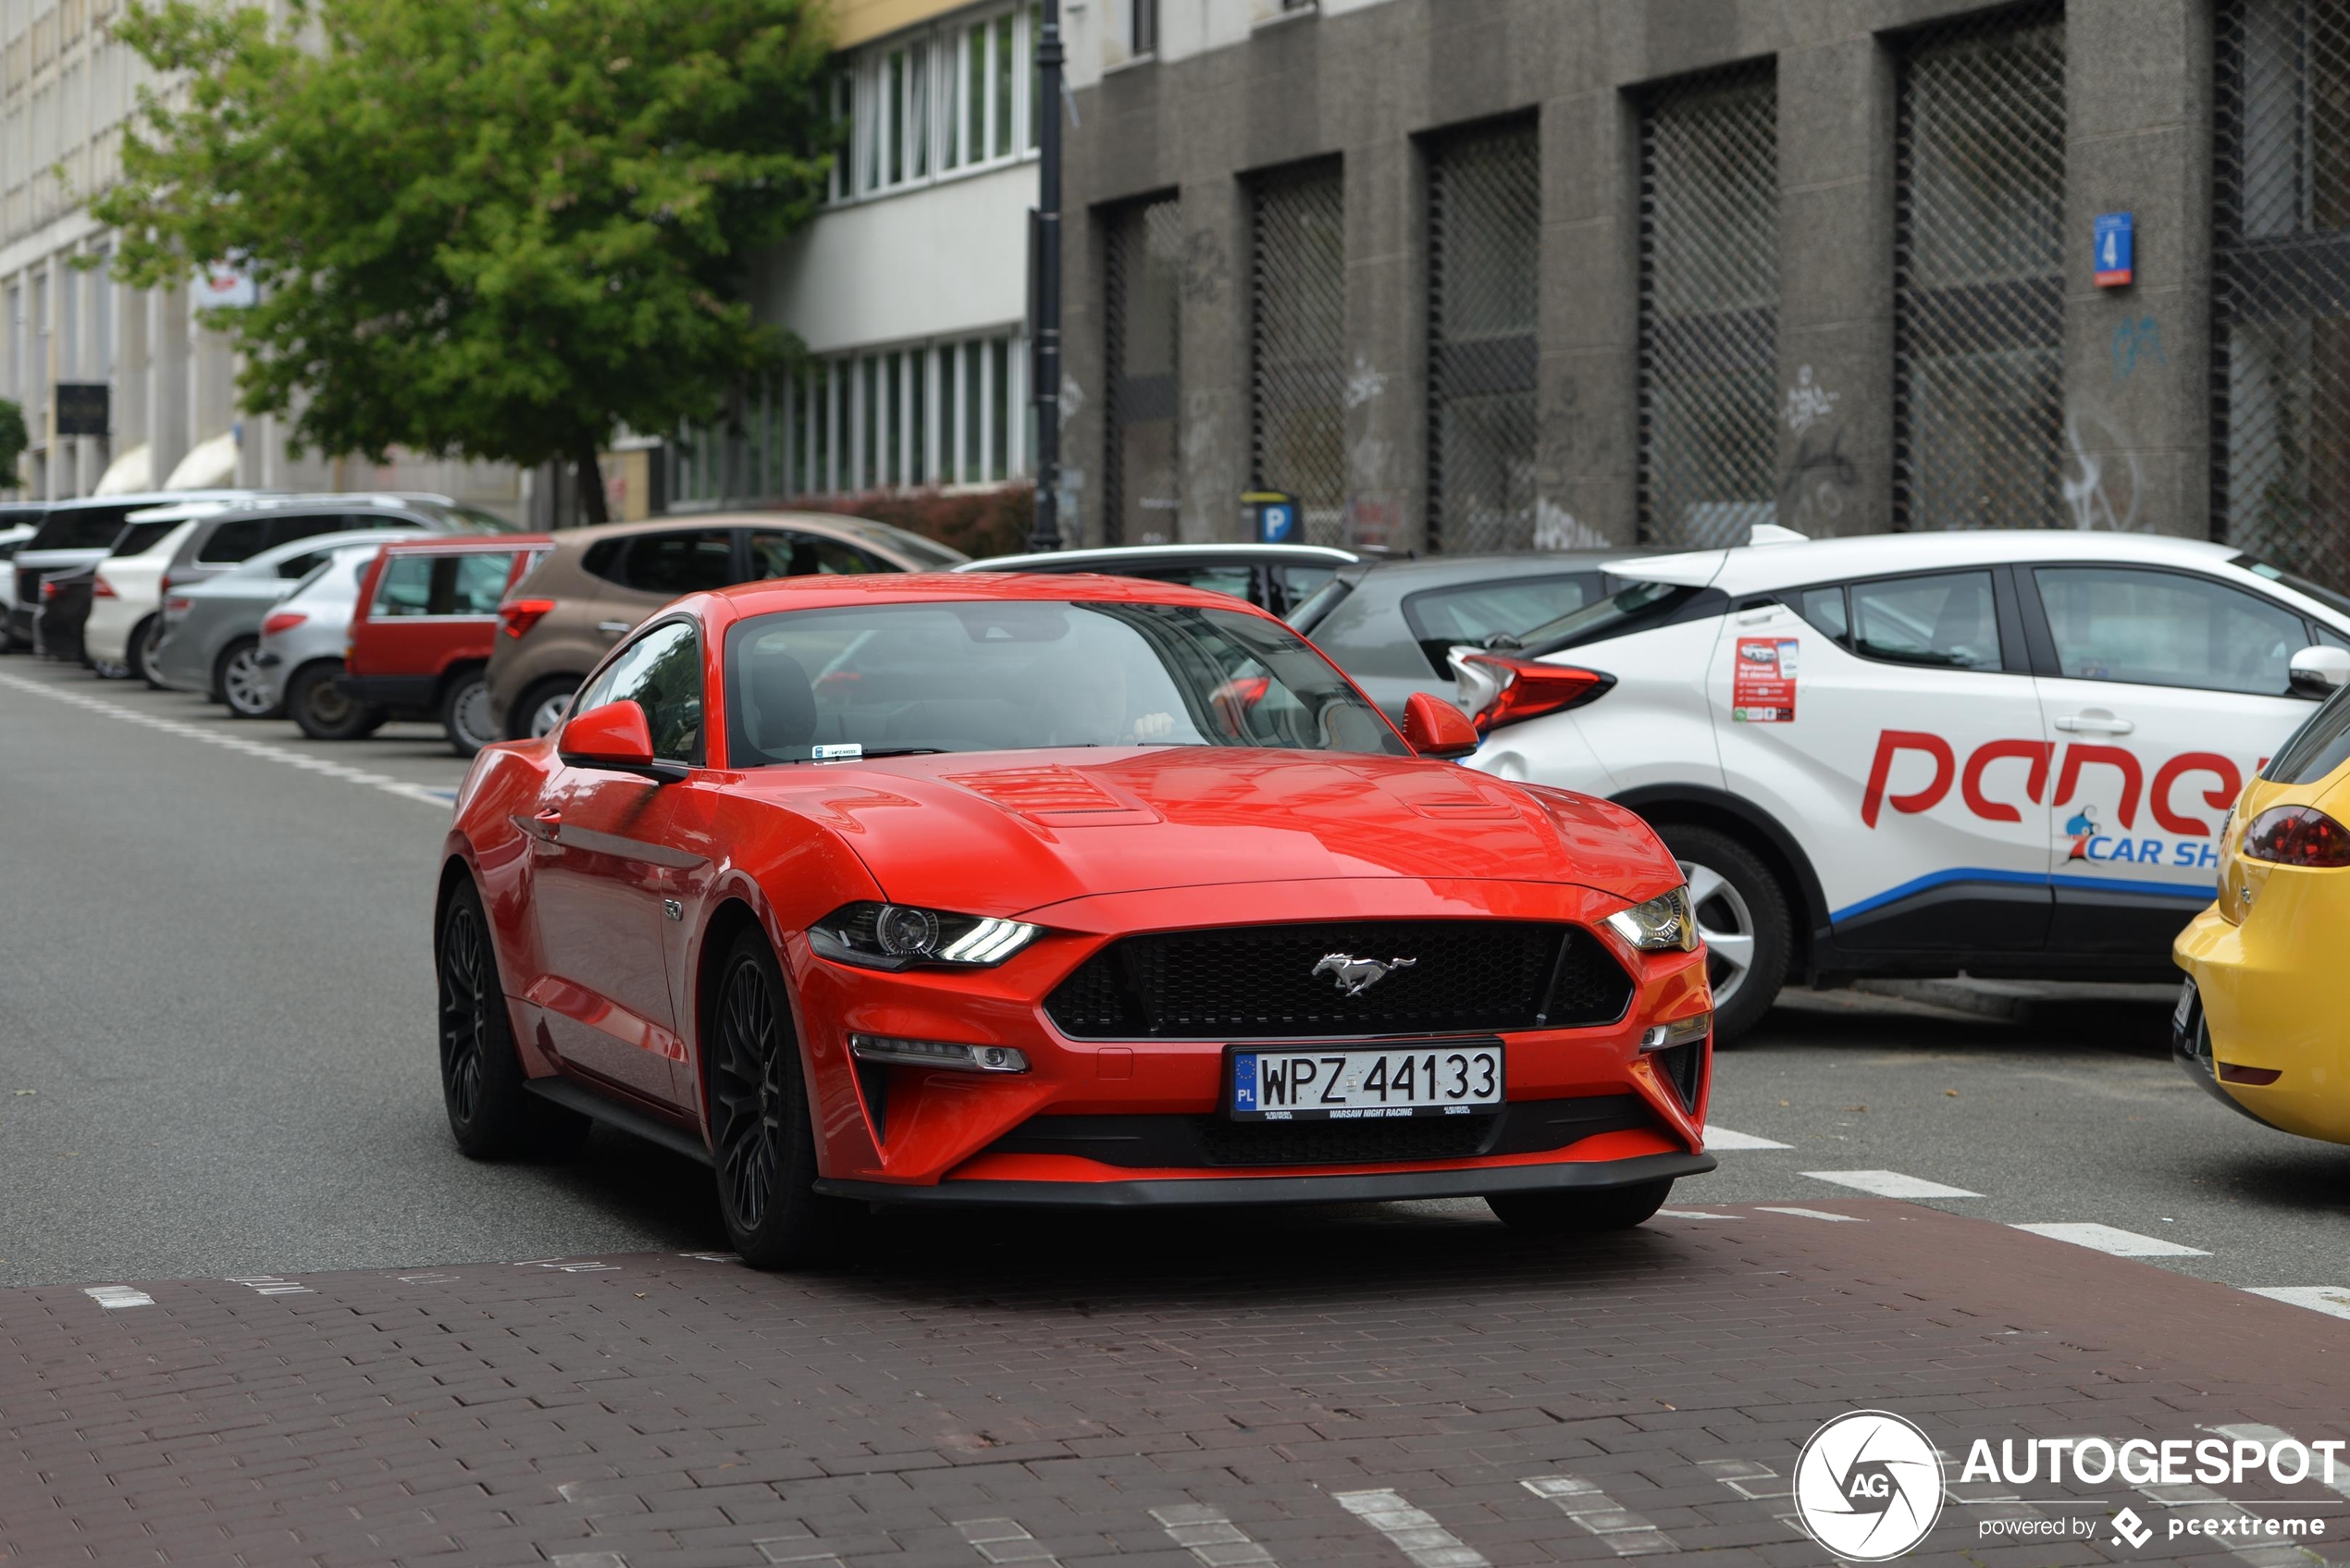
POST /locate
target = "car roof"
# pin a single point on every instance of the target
(139, 499)
(180, 511)
(1436, 571)
(333, 500)
(461, 543)
(291, 547)
(1756, 568)
(828, 592)
(829, 522)
(1108, 556)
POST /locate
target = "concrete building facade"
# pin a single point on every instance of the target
(1525, 273)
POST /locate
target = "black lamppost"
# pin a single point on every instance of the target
(1047, 358)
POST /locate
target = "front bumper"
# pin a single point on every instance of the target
(2268, 1001)
(1219, 1190)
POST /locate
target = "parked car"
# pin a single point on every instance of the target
(64, 608)
(126, 607)
(597, 584)
(2260, 1022)
(424, 627)
(1392, 624)
(75, 534)
(1905, 754)
(212, 629)
(1278, 578)
(299, 661)
(1431, 983)
(238, 535)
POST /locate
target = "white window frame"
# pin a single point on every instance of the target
(931, 103)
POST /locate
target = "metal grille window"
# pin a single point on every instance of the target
(1484, 241)
(2280, 276)
(1709, 309)
(1297, 340)
(1978, 291)
(1143, 317)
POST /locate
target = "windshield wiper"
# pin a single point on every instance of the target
(900, 751)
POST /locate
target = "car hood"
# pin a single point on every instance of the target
(1003, 832)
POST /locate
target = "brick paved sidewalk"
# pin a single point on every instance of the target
(1399, 1387)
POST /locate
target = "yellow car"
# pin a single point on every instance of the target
(2261, 1022)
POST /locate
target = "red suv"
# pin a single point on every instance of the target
(421, 635)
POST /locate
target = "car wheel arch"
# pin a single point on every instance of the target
(1763, 834)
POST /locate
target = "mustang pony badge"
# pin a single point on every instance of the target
(1355, 975)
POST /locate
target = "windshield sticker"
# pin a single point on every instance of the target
(1763, 688)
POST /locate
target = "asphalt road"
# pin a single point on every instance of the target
(216, 1049)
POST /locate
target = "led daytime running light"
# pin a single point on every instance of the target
(948, 1054)
(1680, 1032)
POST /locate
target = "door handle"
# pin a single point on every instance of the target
(612, 628)
(2095, 724)
(551, 822)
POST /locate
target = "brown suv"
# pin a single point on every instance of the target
(597, 584)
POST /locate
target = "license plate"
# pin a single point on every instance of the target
(1299, 1083)
(2185, 1009)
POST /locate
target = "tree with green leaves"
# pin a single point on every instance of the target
(13, 440)
(485, 229)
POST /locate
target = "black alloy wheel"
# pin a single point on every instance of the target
(1576, 1213)
(324, 710)
(491, 1113)
(762, 1131)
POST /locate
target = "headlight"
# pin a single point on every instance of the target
(899, 936)
(1663, 922)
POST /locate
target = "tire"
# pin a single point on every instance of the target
(236, 681)
(1743, 914)
(490, 1113)
(1572, 1212)
(465, 714)
(540, 705)
(764, 1132)
(323, 710)
(145, 637)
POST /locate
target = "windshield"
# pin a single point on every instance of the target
(82, 527)
(1635, 607)
(1016, 676)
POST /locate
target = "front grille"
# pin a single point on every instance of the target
(1259, 983)
(1684, 1067)
(1181, 1142)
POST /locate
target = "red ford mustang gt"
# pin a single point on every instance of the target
(1054, 891)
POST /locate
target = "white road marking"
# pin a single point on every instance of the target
(426, 1278)
(1211, 1538)
(2106, 1238)
(1758, 1483)
(1693, 1213)
(1723, 1138)
(270, 1285)
(1814, 1213)
(582, 1266)
(589, 1560)
(2331, 1300)
(773, 1551)
(714, 1258)
(114, 1297)
(1003, 1540)
(1891, 1184)
(1627, 1534)
(263, 749)
(1413, 1531)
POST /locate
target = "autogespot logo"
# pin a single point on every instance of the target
(1868, 1486)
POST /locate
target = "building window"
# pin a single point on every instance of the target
(1484, 278)
(942, 101)
(1142, 312)
(912, 417)
(1978, 287)
(1297, 342)
(2281, 277)
(1142, 33)
(1708, 312)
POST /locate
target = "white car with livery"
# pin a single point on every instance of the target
(2004, 752)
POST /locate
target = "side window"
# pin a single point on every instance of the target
(405, 587)
(661, 672)
(238, 539)
(1216, 578)
(1299, 584)
(477, 582)
(806, 555)
(1824, 608)
(304, 564)
(1443, 619)
(1948, 620)
(679, 563)
(285, 530)
(2167, 629)
(2317, 748)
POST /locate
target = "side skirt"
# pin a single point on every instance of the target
(612, 1113)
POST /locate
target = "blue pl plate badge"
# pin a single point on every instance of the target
(1244, 1083)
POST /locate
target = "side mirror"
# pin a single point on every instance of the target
(1433, 727)
(2319, 671)
(614, 737)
